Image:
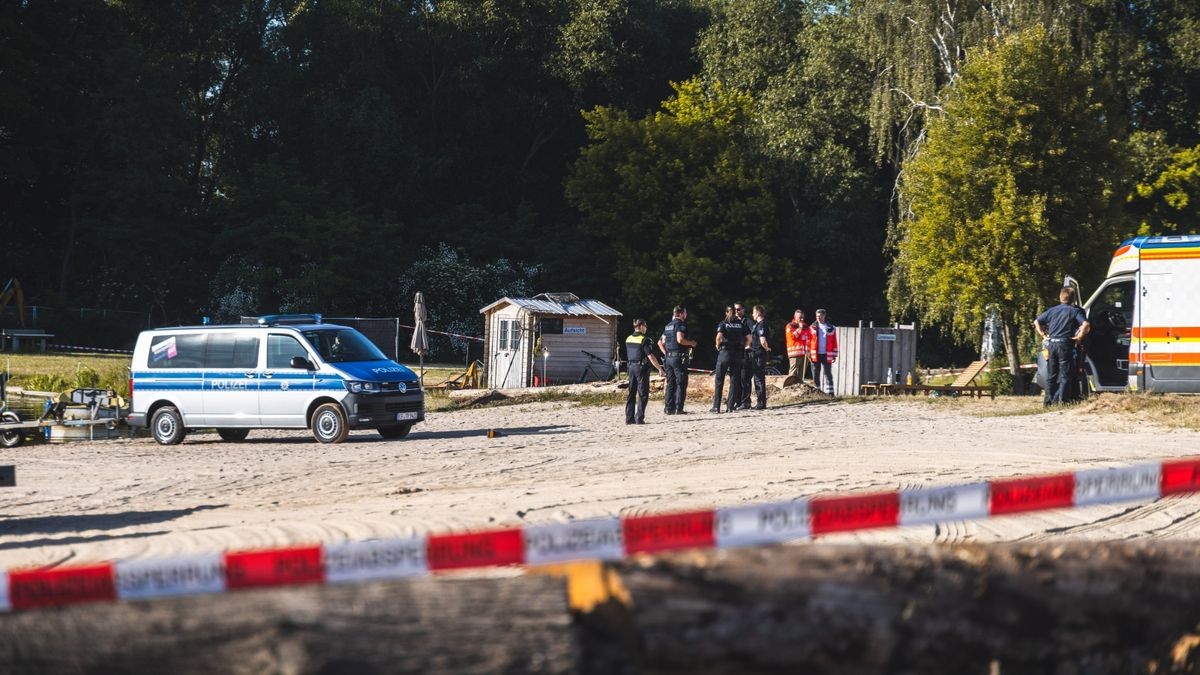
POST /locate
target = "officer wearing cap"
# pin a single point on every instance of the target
(1062, 327)
(639, 353)
(731, 341)
(675, 344)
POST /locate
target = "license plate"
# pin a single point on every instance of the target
(406, 416)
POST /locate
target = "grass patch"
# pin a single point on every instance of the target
(63, 372)
(1176, 411)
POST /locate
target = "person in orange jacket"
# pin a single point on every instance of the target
(796, 336)
(822, 351)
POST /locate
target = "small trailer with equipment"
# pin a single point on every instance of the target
(92, 408)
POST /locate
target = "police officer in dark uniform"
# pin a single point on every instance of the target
(675, 345)
(760, 348)
(1063, 328)
(744, 402)
(731, 341)
(639, 353)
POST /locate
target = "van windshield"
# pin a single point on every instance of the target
(343, 346)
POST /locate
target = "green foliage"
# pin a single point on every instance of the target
(1013, 188)
(455, 289)
(804, 66)
(1169, 202)
(46, 382)
(687, 215)
(231, 157)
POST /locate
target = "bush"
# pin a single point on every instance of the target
(50, 383)
(1003, 381)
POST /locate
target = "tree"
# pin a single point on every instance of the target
(456, 288)
(1168, 201)
(1013, 188)
(680, 206)
(803, 64)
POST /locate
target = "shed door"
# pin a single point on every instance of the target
(510, 355)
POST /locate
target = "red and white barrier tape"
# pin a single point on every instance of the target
(80, 348)
(591, 539)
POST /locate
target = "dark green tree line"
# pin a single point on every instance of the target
(240, 156)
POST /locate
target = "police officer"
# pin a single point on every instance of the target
(731, 341)
(1063, 328)
(760, 348)
(675, 344)
(744, 402)
(639, 350)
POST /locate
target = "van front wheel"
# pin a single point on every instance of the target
(329, 423)
(167, 426)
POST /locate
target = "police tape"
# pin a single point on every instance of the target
(607, 538)
(90, 350)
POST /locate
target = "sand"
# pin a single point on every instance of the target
(132, 498)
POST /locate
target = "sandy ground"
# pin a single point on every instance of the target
(556, 461)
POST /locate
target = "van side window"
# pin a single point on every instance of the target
(177, 351)
(281, 349)
(231, 351)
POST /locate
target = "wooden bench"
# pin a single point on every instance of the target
(961, 386)
(16, 335)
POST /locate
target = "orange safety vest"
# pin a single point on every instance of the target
(796, 336)
(814, 336)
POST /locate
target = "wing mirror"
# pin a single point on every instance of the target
(301, 362)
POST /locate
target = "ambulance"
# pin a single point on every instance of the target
(1145, 319)
(284, 371)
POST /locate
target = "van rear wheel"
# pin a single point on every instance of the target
(392, 433)
(233, 435)
(329, 423)
(167, 426)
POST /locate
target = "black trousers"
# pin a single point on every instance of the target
(758, 375)
(1060, 373)
(639, 393)
(675, 392)
(731, 364)
(747, 377)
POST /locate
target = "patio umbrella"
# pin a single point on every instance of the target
(420, 338)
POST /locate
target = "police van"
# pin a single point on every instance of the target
(272, 372)
(1145, 319)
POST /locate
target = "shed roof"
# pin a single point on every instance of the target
(557, 304)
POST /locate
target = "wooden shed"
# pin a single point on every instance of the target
(551, 338)
(866, 353)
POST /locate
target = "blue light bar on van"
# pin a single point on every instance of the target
(281, 319)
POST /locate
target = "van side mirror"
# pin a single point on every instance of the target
(301, 362)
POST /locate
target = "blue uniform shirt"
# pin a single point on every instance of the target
(669, 335)
(734, 333)
(1062, 321)
(760, 330)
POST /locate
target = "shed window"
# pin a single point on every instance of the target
(503, 333)
(551, 326)
(514, 335)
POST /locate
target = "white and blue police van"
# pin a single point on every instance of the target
(285, 371)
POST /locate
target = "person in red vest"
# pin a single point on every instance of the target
(796, 336)
(822, 351)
